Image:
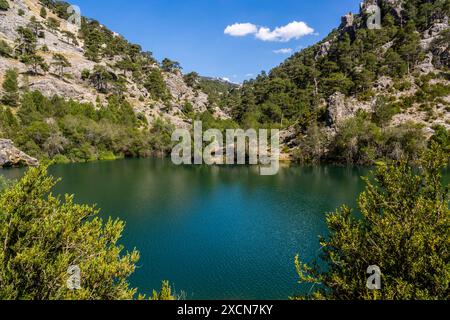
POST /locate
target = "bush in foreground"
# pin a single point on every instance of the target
(403, 229)
(42, 236)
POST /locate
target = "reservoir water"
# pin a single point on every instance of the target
(214, 232)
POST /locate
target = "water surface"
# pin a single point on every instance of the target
(214, 232)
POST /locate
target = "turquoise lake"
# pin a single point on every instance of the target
(214, 232)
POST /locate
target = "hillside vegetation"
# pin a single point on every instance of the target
(83, 94)
(360, 94)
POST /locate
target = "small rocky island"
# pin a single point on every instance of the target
(10, 156)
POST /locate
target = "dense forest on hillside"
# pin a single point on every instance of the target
(350, 61)
(293, 91)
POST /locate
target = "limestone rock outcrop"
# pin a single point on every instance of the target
(341, 108)
(10, 156)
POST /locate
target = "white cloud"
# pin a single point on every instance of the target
(293, 30)
(249, 75)
(283, 51)
(225, 79)
(241, 29)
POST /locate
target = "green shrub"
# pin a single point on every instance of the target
(43, 13)
(188, 108)
(37, 270)
(3, 183)
(61, 159)
(5, 49)
(106, 156)
(402, 228)
(11, 88)
(4, 5)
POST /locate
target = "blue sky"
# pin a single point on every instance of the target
(193, 31)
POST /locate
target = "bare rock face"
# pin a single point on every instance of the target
(348, 20)
(383, 83)
(337, 109)
(324, 48)
(10, 156)
(427, 64)
(181, 92)
(341, 108)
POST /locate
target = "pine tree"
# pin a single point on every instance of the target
(156, 86)
(100, 78)
(60, 62)
(11, 89)
(26, 42)
(170, 66)
(35, 62)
